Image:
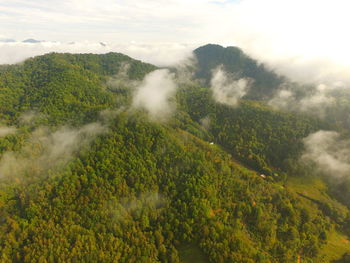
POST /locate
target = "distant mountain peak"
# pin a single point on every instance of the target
(239, 64)
(31, 40)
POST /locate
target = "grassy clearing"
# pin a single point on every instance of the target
(191, 254)
(315, 189)
(337, 245)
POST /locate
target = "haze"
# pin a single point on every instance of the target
(305, 40)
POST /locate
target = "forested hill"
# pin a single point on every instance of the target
(235, 61)
(87, 175)
(64, 87)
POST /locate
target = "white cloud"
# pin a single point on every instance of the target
(146, 21)
(316, 100)
(155, 94)
(319, 99)
(161, 54)
(226, 89)
(283, 99)
(329, 152)
(48, 150)
(306, 40)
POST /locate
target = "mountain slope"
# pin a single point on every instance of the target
(236, 62)
(141, 190)
(96, 181)
(64, 87)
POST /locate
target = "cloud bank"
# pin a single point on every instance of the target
(314, 100)
(226, 89)
(305, 40)
(160, 54)
(46, 150)
(155, 94)
(329, 152)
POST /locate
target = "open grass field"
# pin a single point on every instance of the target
(311, 191)
(191, 254)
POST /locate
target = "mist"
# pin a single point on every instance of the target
(226, 88)
(304, 40)
(155, 94)
(46, 150)
(205, 122)
(160, 54)
(121, 81)
(314, 100)
(185, 69)
(329, 152)
(135, 206)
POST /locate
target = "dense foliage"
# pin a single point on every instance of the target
(63, 87)
(255, 134)
(139, 191)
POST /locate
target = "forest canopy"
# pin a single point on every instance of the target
(91, 171)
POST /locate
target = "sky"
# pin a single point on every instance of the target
(306, 40)
(110, 20)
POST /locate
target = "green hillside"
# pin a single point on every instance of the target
(84, 177)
